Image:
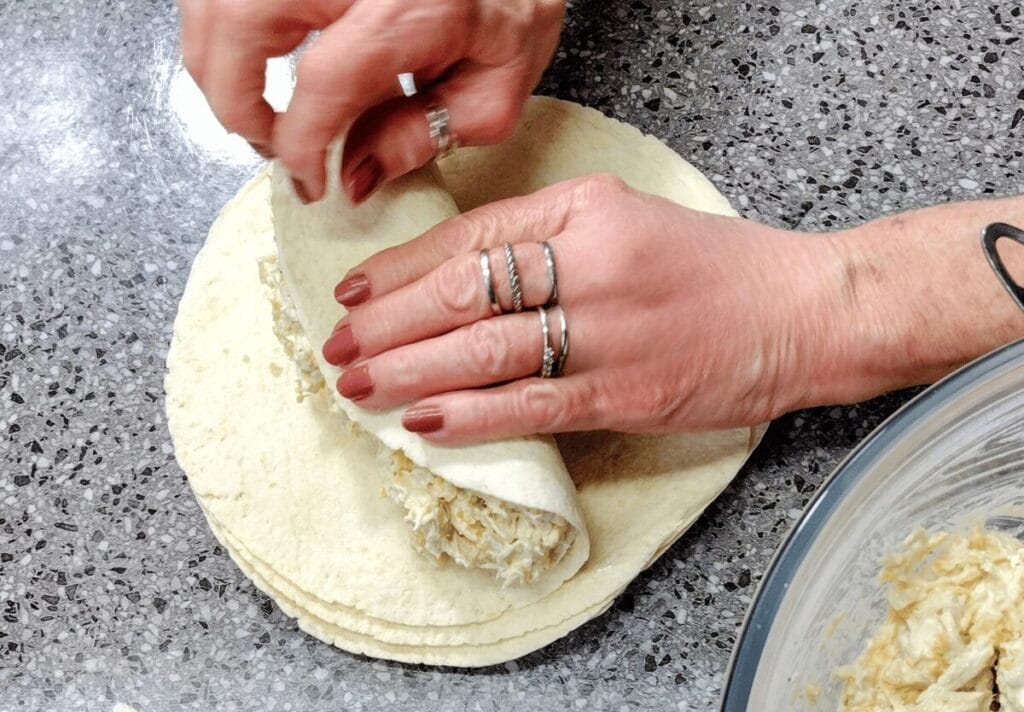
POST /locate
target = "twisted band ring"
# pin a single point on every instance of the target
(513, 278)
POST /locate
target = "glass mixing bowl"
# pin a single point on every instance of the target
(952, 457)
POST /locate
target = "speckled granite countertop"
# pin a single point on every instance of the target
(112, 589)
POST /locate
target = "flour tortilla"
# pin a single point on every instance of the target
(319, 243)
(480, 655)
(558, 140)
(296, 503)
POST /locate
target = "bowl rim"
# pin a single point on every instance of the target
(749, 647)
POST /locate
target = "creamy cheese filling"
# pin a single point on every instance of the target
(954, 636)
(448, 523)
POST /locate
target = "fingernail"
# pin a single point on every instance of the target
(262, 149)
(355, 384)
(364, 179)
(353, 290)
(341, 348)
(300, 191)
(423, 419)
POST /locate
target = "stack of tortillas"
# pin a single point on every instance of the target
(295, 495)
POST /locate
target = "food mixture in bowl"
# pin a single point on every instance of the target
(953, 639)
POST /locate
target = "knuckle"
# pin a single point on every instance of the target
(604, 184)
(461, 234)
(236, 11)
(477, 228)
(315, 69)
(234, 116)
(597, 190)
(541, 404)
(499, 120)
(455, 287)
(299, 157)
(587, 401)
(662, 403)
(394, 376)
(489, 350)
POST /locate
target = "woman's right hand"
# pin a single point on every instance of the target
(679, 320)
(480, 59)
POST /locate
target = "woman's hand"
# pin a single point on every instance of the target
(678, 320)
(480, 59)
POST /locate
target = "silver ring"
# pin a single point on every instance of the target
(549, 259)
(407, 83)
(440, 131)
(563, 345)
(548, 360)
(513, 278)
(485, 271)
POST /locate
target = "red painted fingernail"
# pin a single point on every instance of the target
(355, 384)
(262, 149)
(300, 191)
(353, 290)
(423, 419)
(364, 179)
(341, 348)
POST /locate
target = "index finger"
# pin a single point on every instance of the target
(529, 218)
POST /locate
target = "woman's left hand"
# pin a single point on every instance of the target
(479, 59)
(678, 320)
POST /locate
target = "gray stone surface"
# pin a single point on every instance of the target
(809, 115)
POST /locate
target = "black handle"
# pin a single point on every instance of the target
(989, 238)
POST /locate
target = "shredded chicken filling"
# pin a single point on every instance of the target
(475, 530)
(954, 637)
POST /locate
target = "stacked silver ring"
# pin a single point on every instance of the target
(563, 345)
(547, 367)
(553, 364)
(552, 360)
(549, 260)
(557, 365)
(513, 278)
(485, 270)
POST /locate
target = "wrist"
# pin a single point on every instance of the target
(834, 330)
(816, 308)
(864, 336)
(899, 301)
(799, 319)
